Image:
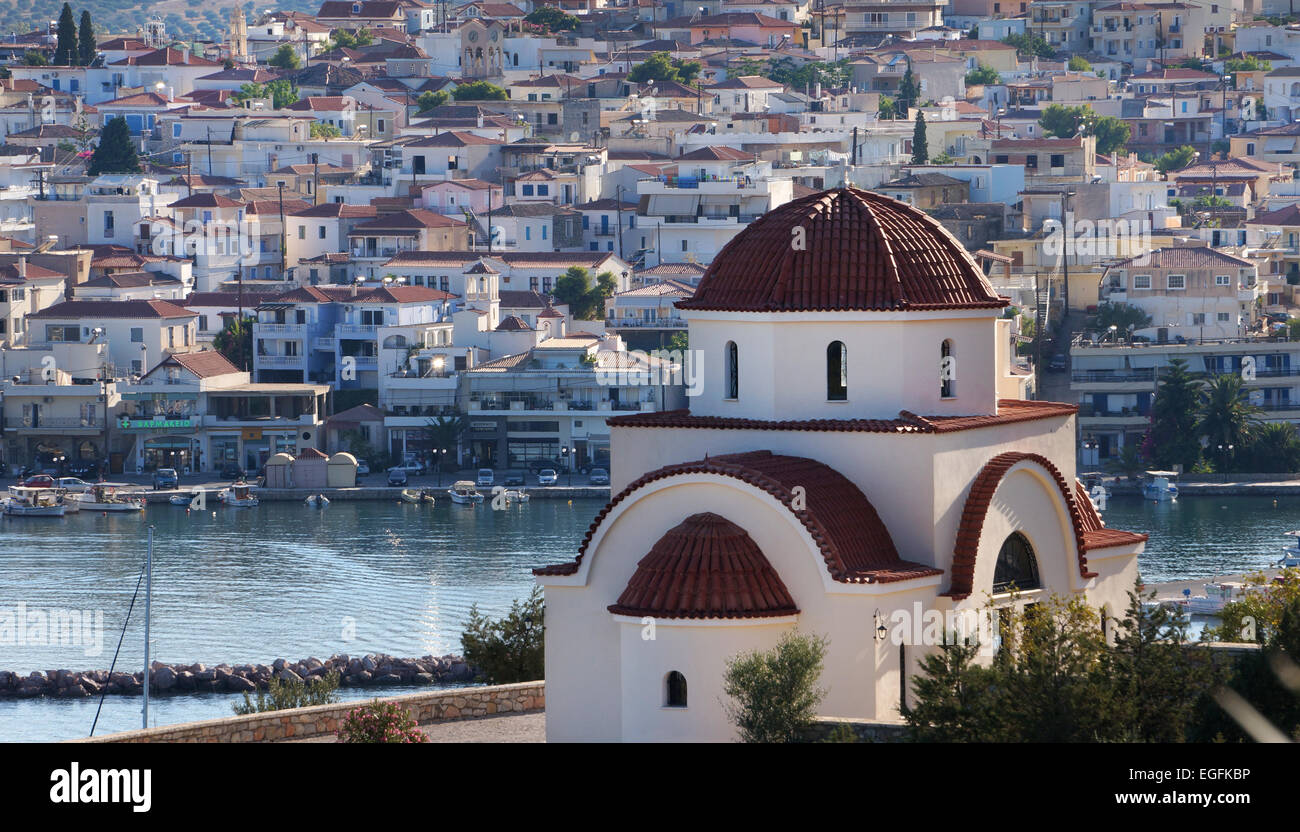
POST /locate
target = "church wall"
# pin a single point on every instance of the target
(582, 661)
(892, 365)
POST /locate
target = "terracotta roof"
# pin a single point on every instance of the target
(312, 453)
(513, 323)
(1095, 533)
(9, 272)
(204, 364)
(976, 509)
(853, 540)
(1010, 411)
(861, 251)
(92, 309)
(706, 567)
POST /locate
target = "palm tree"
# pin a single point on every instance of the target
(1273, 448)
(444, 433)
(1173, 437)
(1226, 418)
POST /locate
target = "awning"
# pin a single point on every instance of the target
(167, 442)
(674, 205)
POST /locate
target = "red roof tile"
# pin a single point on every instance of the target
(706, 567)
(1010, 411)
(843, 249)
(1095, 534)
(977, 507)
(853, 540)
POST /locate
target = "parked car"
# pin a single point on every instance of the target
(165, 478)
(410, 466)
(599, 476)
(72, 484)
(84, 468)
(547, 476)
(363, 469)
(38, 481)
(397, 476)
(231, 471)
(513, 479)
(1057, 364)
(486, 478)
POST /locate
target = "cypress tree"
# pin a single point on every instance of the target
(85, 40)
(920, 150)
(115, 153)
(65, 51)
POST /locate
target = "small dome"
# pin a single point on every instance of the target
(843, 250)
(280, 459)
(706, 567)
(343, 458)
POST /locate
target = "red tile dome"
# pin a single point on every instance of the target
(705, 567)
(858, 250)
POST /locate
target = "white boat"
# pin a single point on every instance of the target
(317, 500)
(181, 499)
(464, 492)
(1217, 595)
(517, 496)
(102, 497)
(1159, 486)
(1291, 553)
(239, 496)
(411, 495)
(69, 501)
(33, 502)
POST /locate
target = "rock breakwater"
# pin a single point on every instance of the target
(372, 670)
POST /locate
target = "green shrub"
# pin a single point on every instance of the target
(508, 649)
(282, 694)
(380, 722)
(774, 694)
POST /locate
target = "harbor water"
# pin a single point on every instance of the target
(284, 580)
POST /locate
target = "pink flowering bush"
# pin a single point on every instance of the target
(380, 722)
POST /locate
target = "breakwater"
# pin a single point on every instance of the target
(372, 492)
(374, 670)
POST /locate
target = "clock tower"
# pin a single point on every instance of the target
(481, 49)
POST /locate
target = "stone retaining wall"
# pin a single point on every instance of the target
(864, 730)
(374, 492)
(322, 720)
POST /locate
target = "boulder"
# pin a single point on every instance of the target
(164, 678)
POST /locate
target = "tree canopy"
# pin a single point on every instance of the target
(551, 19)
(86, 46)
(479, 91)
(983, 75)
(920, 145)
(586, 301)
(662, 67)
(286, 57)
(116, 151)
(65, 50)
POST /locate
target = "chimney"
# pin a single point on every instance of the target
(22, 268)
(480, 118)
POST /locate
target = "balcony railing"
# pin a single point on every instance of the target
(64, 422)
(1113, 376)
(648, 323)
(279, 329)
(280, 360)
(363, 331)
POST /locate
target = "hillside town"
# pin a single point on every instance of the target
(394, 220)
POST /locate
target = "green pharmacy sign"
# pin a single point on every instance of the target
(127, 423)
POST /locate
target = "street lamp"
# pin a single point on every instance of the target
(439, 455)
(564, 461)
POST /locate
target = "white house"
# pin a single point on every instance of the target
(842, 500)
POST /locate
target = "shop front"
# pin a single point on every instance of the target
(485, 438)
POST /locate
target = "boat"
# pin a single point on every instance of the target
(317, 500)
(104, 497)
(412, 495)
(464, 492)
(69, 501)
(1291, 553)
(239, 496)
(1158, 486)
(33, 502)
(1094, 483)
(426, 495)
(182, 499)
(1217, 595)
(516, 496)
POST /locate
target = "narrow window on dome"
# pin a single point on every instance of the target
(675, 694)
(947, 371)
(732, 371)
(837, 372)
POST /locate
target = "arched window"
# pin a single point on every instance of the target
(947, 371)
(732, 365)
(675, 695)
(837, 371)
(1017, 566)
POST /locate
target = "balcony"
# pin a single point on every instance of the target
(362, 362)
(282, 330)
(326, 343)
(292, 361)
(1113, 376)
(42, 423)
(364, 332)
(644, 323)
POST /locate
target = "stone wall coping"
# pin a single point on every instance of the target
(307, 722)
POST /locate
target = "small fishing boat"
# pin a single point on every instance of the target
(1217, 595)
(1291, 553)
(69, 501)
(411, 495)
(182, 499)
(427, 496)
(1159, 486)
(516, 496)
(239, 496)
(464, 492)
(317, 500)
(104, 497)
(33, 502)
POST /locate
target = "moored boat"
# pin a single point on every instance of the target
(317, 500)
(1159, 486)
(1291, 553)
(411, 495)
(33, 502)
(239, 496)
(104, 497)
(464, 492)
(1217, 595)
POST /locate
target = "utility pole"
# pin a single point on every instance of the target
(1065, 250)
(618, 200)
(209, 151)
(189, 174)
(315, 179)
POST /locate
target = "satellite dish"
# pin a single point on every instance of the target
(573, 137)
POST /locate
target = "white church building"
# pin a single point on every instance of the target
(857, 450)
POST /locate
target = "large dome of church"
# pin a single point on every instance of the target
(841, 250)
